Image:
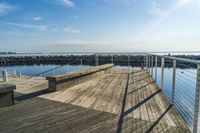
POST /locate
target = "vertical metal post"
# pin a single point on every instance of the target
(5, 75)
(15, 72)
(112, 59)
(144, 62)
(20, 74)
(81, 61)
(156, 65)
(196, 106)
(67, 68)
(128, 60)
(149, 64)
(97, 60)
(152, 65)
(54, 73)
(173, 81)
(147, 61)
(162, 73)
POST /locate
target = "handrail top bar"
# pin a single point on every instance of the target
(178, 59)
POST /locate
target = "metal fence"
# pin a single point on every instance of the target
(180, 81)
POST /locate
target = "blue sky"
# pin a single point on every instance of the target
(99, 25)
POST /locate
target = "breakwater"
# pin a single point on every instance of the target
(73, 60)
(122, 60)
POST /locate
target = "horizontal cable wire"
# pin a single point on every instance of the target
(184, 76)
(188, 115)
(51, 69)
(188, 119)
(185, 96)
(180, 80)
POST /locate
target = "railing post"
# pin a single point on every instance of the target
(5, 75)
(196, 106)
(144, 61)
(173, 81)
(128, 60)
(156, 65)
(112, 59)
(81, 61)
(152, 65)
(149, 64)
(15, 72)
(54, 73)
(162, 73)
(67, 68)
(97, 60)
(147, 61)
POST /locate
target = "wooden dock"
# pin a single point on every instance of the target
(122, 101)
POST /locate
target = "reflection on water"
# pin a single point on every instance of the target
(184, 92)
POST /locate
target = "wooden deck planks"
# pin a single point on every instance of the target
(97, 102)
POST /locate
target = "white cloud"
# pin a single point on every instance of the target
(122, 1)
(156, 8)
(184, 2)
(28, 26)
(6, 8)
(37, 18)
(70, 30)
(68, 3)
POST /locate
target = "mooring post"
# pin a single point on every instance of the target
(173, 81)
(162, 73)
(152, 65)
(156, 65)
(196, 106)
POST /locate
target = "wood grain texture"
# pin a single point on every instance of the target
(93, 106)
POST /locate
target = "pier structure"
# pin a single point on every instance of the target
(97, 100)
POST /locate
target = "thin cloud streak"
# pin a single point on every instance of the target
(6, 8)
(28, 26)
(70, 30)
(37, 18)
(68, 3)
(161, 15)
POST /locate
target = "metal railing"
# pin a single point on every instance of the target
(185, 84)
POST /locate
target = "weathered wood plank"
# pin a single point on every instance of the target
(93, 106)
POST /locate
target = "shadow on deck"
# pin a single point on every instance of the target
(111, 103)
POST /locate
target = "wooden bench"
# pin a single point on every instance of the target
(7, 94)
(70, 79)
